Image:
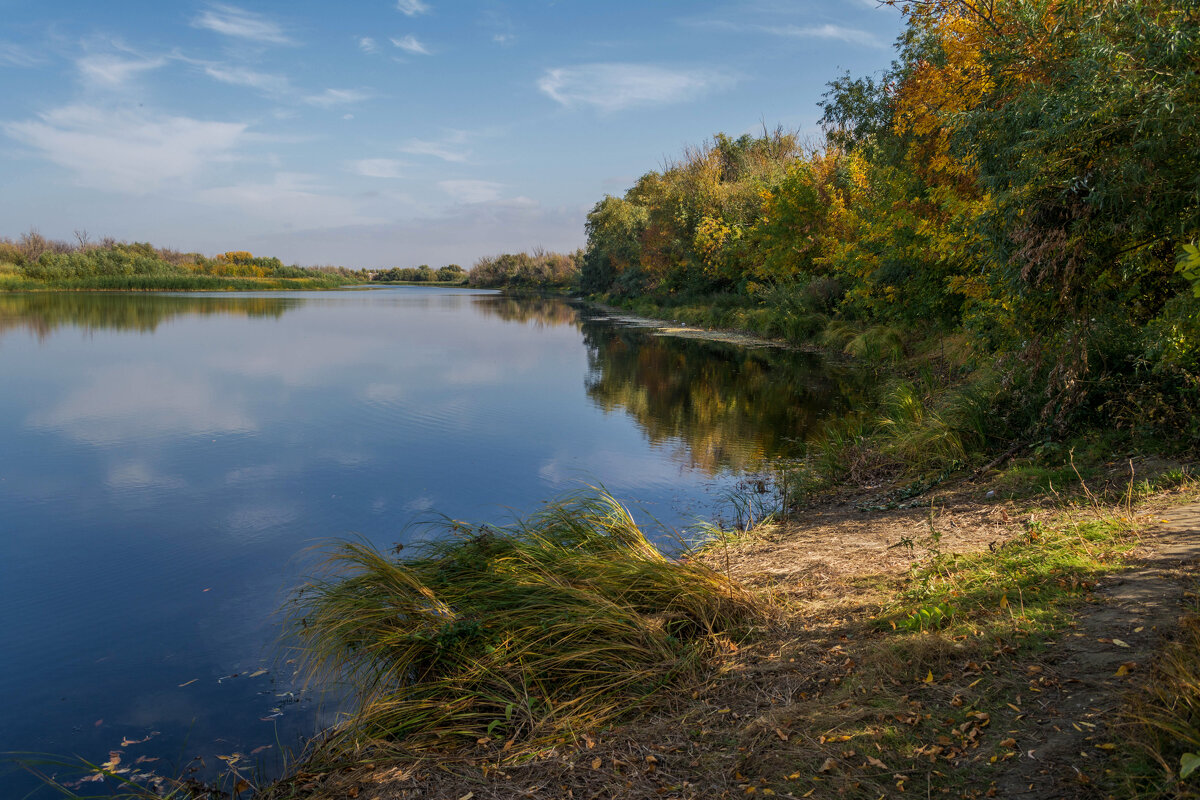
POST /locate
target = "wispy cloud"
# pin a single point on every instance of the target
(17, 55)
(410, 44)
(612, 87)
(239, 76)
(377, 167)
(239, 23)
(337, 97)
(503, 31)
(113, 71)
(449, 148)
(471, 191)
(127, 151)
(291, 199)
(368, 45)
(412, 8)
(839, 33)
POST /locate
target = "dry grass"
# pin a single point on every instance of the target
(512, 637)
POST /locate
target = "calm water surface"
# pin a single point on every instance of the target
(167, 463)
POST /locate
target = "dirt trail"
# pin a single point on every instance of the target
(1100, 659)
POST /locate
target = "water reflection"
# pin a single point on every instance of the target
(543, 312)
(161, 491)
(44, 312)
(731, 407)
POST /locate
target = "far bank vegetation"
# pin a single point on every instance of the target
(33, 262)
(539, 270)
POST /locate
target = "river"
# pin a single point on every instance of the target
(170, 465)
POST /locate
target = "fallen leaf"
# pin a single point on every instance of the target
(467, 796)
(243, 784)
(257, 673)
(1119, 643)
(352, 792)
(929, 677)
(828, 765)
(188, 683)
(146, 759)
(596, 763)
(783, 737)
(1107, 746)
(114, 760)
(1009, 742)
(258, 750)
(875, 762)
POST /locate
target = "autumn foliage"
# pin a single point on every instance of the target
(1023, 177)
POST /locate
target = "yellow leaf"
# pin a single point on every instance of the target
(1004, 601)
(596, 763)
(929, 677)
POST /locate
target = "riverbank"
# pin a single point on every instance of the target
(974, 646)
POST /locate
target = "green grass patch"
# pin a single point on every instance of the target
(1025, 584)
(559, 622)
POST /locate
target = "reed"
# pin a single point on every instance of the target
(558, 623)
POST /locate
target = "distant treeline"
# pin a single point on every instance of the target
(451, 273)
(538, 270)
(32, 261)
(1022, 181)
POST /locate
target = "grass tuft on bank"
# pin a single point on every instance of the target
(512, 637)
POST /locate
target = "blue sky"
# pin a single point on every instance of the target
(388, 132)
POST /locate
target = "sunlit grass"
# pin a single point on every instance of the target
(560, 622)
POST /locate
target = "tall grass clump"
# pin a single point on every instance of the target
(1164, 720)
(559, 622)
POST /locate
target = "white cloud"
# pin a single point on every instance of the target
(16, 55)
(368, 45)
(448, 148)
(239, 76)
(410, 44)
(111, 71)
(127, 151)
(503, 38)
(335, 97)
(412, 7)
(377, 167)
(471, 191)
(612, 87)
(830, 31)
(291, 200)
(837, 32)
(239, 23)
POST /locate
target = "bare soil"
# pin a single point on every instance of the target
(771, 720)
